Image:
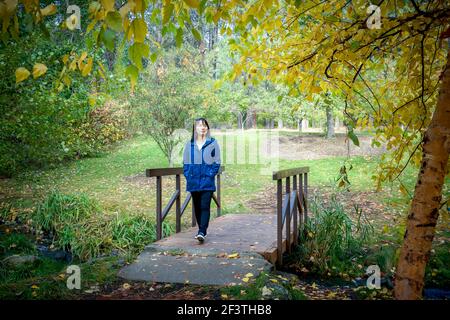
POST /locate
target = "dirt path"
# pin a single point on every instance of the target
(313, 147)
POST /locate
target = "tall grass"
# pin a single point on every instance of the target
(78, 224)
(331, 239)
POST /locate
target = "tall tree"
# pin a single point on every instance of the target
(344, 49)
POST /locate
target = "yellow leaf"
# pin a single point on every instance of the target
(73, 65)
(249, 275)
(192, 3)
(245, 279)
(48, 10)
(274, 280)
(232, 256)
(65, 58)
(66, 80)
(139, 30)
(126, 8)
(224, 296)
(87, 68)
(403, 190)
(22, 74)
(126, 286)
(167, 10)
(34, 286)
(216, 16)
(80, 60)
(316, 89)
(91, 26)
(108, 5)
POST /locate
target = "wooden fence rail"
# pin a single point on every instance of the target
(287, 209)
(176, 197)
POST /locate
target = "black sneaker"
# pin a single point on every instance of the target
(201, 237)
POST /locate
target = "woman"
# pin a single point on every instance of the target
(201, 163)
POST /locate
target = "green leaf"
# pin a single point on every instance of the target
(153, 56)
(353, 137)
(280, 98)
(179, 37)
(107, 37)
(136, 52)
(354, 45)
(196, 34)
(114, 21)
(132, 72)
(167, 11)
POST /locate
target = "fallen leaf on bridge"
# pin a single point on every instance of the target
(233, 256)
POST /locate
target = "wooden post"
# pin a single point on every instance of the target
(300, 194)
(295, 211)
(288, 215)
(219, 207)
(158, 207)
(279, 222)
(306, 198)
(178, 203)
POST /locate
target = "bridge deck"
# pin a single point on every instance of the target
(231, 233)
(182, 259)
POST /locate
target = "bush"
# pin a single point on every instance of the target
(101, 128)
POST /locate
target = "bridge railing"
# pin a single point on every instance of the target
(295, 199)
(176, 197)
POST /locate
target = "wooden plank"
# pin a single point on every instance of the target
(178, 202)
(289, 172)
(155, 172)
(158, 207)
(288, 214)
(279, 220)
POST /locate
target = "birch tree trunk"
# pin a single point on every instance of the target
(424, 211)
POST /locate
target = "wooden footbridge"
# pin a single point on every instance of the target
(267, 236)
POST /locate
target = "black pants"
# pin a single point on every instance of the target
(202, 207)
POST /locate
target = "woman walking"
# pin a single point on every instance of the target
(201, 163)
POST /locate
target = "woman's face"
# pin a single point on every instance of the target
(201, 128)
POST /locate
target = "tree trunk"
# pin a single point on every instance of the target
(239, 119)
(299, 124)
(330, 123)
(280, 124)
(424, 211)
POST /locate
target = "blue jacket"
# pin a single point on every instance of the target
(201, 166)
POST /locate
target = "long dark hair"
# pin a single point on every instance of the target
(194, 132)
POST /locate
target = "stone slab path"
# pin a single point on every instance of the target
(236, 245)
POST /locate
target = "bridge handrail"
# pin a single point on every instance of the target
(176, 197)
(287, 207)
